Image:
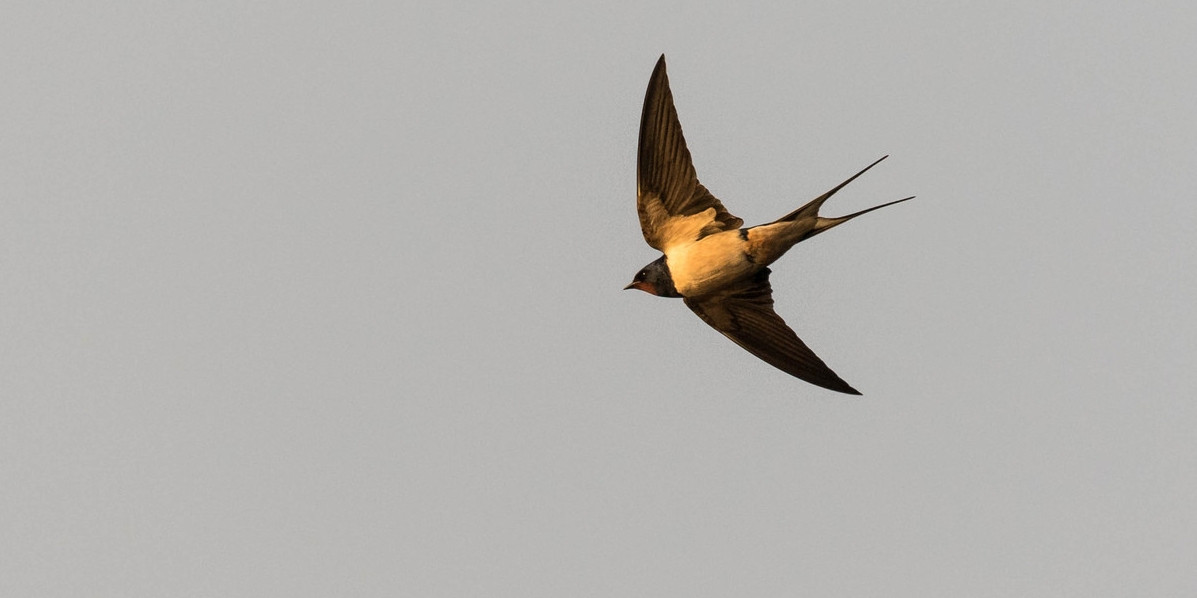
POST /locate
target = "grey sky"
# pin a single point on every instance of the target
(311, 300)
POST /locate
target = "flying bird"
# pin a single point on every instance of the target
(717, 267)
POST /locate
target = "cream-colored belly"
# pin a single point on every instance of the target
(709, 264)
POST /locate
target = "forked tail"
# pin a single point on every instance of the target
(811, 209)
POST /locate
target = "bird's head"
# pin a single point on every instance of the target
(655, 279)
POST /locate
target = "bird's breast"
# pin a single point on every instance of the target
(710, 263)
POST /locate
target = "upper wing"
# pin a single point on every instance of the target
(672, 204)
(744, 313)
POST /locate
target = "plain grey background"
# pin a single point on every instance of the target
(323, 299)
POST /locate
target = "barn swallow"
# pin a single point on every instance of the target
(719, 269)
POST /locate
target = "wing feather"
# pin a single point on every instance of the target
(744, 313)
(672, 204)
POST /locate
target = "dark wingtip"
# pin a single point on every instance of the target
(838, 385)
(653, 81)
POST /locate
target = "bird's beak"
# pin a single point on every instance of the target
(630, 286)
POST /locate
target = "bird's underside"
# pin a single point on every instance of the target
(717, 267)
